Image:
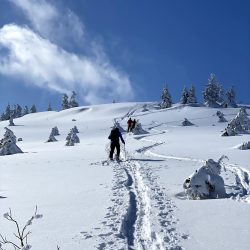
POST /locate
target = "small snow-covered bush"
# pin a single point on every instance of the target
(245, 146)
(186, 122)
(72, 138)
(206, 182)
(8, 144)
(138, 130)
(221, 116)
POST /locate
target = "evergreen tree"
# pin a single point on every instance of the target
(33, 109)
(51, 137)
(212, 92)
(25, 110)
(7, 112)
(231, 98)
(55, 131)
(166, 99)
(184, 96)
(72, 102)
(191, 96)
(65, 102)
(18, 111)
(72, 138)
(8, 144)
(49, 107)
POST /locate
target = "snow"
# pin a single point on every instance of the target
(139, 203)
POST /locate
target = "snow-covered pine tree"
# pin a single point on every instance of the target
(52, 136)
(33, 109)
(245, 145)
(166, 98)
(49, 107)
(186, 122)
(239, 124)
(18, 111)
(8, 144)
(65, 102)
(25, 110)
(55, 131)
(221, 116)
(231, 98)
(75, 129)
(212, 92)
(7, 112)
(191, 96)
(72, 138)
(11, 123)
(184, 95)
(72, 102)
(138, 130)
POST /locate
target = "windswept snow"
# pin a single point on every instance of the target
(139, 203)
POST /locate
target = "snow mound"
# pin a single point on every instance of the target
(206, 182)
(8, 144)
(186, 122)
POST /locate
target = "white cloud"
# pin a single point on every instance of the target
(56, 25)
(46, 65)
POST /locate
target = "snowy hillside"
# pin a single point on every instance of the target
(138, 203)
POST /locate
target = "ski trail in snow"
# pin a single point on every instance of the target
(149, 222)
(242, 176)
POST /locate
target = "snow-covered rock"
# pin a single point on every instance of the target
(8, 144)
(206, 182)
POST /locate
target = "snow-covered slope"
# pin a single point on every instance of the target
(136, 204)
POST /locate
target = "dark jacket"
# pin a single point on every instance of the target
(114, 136)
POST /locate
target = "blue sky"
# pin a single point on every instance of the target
(122, 50)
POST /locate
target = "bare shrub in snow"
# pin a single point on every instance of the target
(238, 125)
(138, 130)
(221, 116)
(72, 138)
(245, 146)
(206, 182)
(21, 234)
(186, 122)
(8, 144)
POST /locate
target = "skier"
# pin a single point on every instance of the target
(129, 122)
(114, 136)
(133, 125)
